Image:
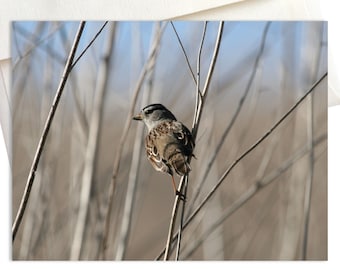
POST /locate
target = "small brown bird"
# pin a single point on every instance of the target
(168, 143)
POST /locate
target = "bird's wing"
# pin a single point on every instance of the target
(153, 155)
(183, 135)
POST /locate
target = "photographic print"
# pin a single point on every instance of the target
(169, 140)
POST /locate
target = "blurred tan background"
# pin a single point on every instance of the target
(270, 225)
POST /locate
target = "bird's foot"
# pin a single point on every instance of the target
(181, 196)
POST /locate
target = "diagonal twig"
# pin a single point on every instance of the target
(183, 50)
(46, 129)
(252, 191)
(244, 154)
(89, 45)
(233, 119)
(249, 150)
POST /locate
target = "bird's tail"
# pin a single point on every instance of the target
(180, 164)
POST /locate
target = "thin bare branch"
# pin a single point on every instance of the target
(183, 50)
(208, 80)
(250, 149)
(125, 228)
(36, 43)
(310, 138)
(244, 154)
(179, 236)
(146, 68)
(80, 116)
(89, 45)
(176, 203)
(198, 72)
(258, 185)
(309, 180)
(198, 100)
(92, 144)
(46, 129)
(233, 119)
(196, 122)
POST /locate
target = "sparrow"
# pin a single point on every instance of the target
(168, 144)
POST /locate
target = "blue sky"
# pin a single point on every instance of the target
(240, 43)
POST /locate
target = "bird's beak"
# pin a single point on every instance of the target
(138, 117)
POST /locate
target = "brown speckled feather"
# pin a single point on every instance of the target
(168, 145)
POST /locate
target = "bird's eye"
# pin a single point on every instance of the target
(148, 111)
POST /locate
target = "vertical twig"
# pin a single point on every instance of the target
(33, 226)
(198, 101)
(30, 222)
(309, 180)
(233, 119)
(147, 66)
(310, 138)
(198, 74)
(46, 129)
(179, 236)
(92, 145)
(132, 184)
(196, 122)
(204, 92)
(172, 224)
